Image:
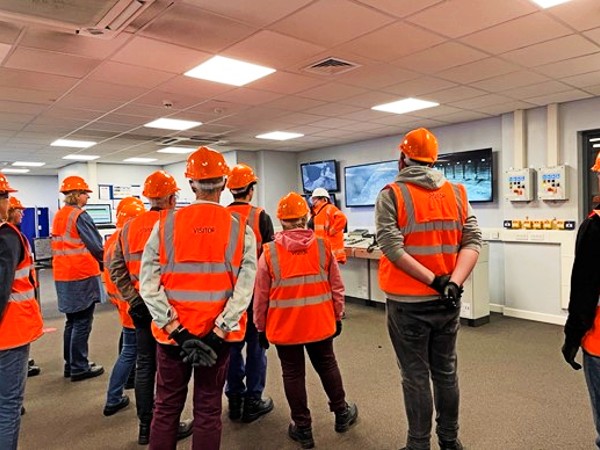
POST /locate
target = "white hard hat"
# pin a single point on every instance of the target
(320, 192)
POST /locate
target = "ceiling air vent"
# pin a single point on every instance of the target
(192, 140)
(331, 66)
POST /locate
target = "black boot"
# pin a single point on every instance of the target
(185, 429)
(453, 445)
(301, 435)
(144, 433)
(236, 403)
(345, 419)
(256, 407)
(33, 371)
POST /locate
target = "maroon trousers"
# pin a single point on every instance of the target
(323, 360)
(172, 378)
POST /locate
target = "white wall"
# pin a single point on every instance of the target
(278, 173)
(36, 191)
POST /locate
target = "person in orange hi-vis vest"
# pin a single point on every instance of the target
(77, 254)
(245, 399)
(160, 188)
(430, 241)
(329, 222)
(298, 305)
(197, 274)
(20, 320)
(128, 208)
(15, 217)
(582, 328)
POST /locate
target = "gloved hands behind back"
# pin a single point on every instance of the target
(213, 341)
(140, 314)
(193, 350)
(262, 340)
(569, 352)
(338, 328)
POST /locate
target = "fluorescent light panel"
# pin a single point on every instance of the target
(9, 170)
(279, 135)
(139, 160)
(81, 157)
(177, 150)
(72, 143)
(28, 164)
(172, 124)
(549, 3)
(405, 106)
(596, 145)
(229, 71)
(594, 139)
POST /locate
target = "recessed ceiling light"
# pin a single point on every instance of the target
(139, 160)
(229, 71)
(72, 143)
(28, 164)
(81, 157)
(405, 106)
(549, 3)
(9, 170)
(172, 124)
(596, 145)
(594, 139)
(178, 150)
(279, 135)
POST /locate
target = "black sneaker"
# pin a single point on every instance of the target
(236, 403)
(33, 371)
(92, 372)
(144, 433)
(301, 435)
(185, 429)
(67, 371)
(109, 410)
(255, 408)
(344, 420)
(453, 445)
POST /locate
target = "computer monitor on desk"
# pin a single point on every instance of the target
(42, 250)
(100, 214)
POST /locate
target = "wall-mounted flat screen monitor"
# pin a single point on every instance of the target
(364, 182)
(100, 213)
(321, 174)
(473, 169)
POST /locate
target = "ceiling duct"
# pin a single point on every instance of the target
(331, 66)
(187, 141)
(104, 19)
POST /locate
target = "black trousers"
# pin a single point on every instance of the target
(145, 374)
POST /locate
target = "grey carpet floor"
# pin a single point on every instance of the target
(516, 392)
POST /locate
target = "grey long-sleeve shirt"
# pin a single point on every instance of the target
(390, 237)
(155, 298)
(11, 253)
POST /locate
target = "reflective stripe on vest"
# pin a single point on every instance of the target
(323, 223)
(251, 214)
(134, 236)
(432, 234)
(21, 322)
(114, 295)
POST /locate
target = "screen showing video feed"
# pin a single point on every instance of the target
(473, 169)
(364, 182)
(322, 174)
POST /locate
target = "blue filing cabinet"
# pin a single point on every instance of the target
(36, 223)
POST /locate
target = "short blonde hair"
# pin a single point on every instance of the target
(72, 197)
(294, 223)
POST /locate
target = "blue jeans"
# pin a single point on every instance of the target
(77, 332)
(254, 370)
(424, 339)
(123, 366)
(591, 368)
(13, 373)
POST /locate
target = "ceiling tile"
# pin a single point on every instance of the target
(514, 80)
(368, 99)
(460, 17)
(23, 108)
(574, 66)
(377, 76)
(295, 103)
(517, 33)
(26, 95)
(92, 103)
(550, 51)
(158, 98)
(301, 118)
(594, 35)
(454, 94)
(441, 57)
(162, 56)
(502, 108)
(50, 62)
(465, 116)
(331, 22)
(332, 110)
(109, 91)
(537, 90)
(363, 115)
(332, 92)
(9, 32)
(183, 85)
(35, 80)
(581, 15)
(118, 73)
(560, 97)
(286, 83)
(478, 70)
(419, 86)
(593, 89)
(484, 100)
(398, 8)
(583, 80)
(247, 96)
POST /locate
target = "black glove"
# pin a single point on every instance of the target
(439, 283)
(452, 295)
(139, 314)
(213, 341)
(193, 350)
(569, 352)
(338, 328)
(262, 340)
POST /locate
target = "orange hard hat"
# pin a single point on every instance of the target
(206, 163)
(596, 166)
(14, 203)
(74, 183)
(129, 208)
(241, 176)
(420, 145)
(4, 186)
(159, 184)
(292, 206)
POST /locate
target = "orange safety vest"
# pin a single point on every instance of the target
(591, 339)
(200, 253)
(114, 295)
(134, 236)
(329, 224)
(71, 260)
(431, 222)
(251, 215)
(300, 299)
(22, 320)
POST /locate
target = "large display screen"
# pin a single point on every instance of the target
(474, 169)
(364, 182)
(100, 213)
(321, 174)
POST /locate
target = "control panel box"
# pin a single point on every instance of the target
(552, 183)
(519, 185)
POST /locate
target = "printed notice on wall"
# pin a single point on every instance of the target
(121, 191)
(104, 192)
